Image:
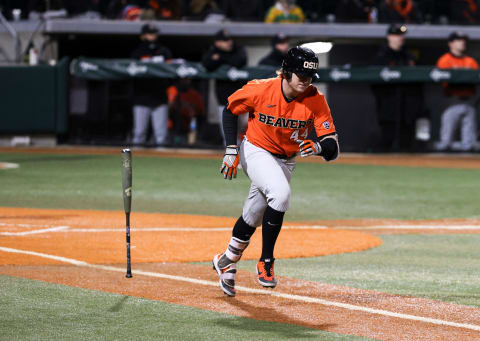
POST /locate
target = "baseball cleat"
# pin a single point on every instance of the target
(226, 270)
(266, 277)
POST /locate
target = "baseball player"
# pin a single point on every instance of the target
(461, 99)
(282, 113)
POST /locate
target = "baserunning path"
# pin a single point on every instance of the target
(327, 307)
(83, 249)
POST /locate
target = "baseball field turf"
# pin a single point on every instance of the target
(414, 275)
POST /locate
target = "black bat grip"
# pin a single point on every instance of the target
(129, 262)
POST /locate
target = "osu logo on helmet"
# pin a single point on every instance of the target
(310, 65)
(300, 60)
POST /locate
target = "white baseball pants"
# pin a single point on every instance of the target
(462, 114)
(141, 119)
(270, 185)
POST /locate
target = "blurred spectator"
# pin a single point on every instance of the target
(398, 105)
(187, 109)
(130, 10)
(201, 9)
(285, 12)
(150, 98)
(356, 11)
(399, 11)
(123, 9)
(165, 9)
(115, 8)
(315, 10)
(280, 47)
(224, 52)
(464, 12)
(243, 10)
(461, 99)
(131, 13)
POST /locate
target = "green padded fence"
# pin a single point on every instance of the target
(111, 69)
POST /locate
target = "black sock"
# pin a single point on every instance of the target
(242, 230)
(272, 223)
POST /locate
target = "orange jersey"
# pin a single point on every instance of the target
(274, 124)
(449, 61)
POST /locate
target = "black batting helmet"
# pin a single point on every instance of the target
(301, 61)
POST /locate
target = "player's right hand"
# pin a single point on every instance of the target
(230, 162)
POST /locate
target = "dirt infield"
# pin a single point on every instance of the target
(70, 247)
(98, 237)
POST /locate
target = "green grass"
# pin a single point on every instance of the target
(33, 310)
(441, 267)
(319, 191)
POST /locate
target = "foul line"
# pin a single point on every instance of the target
(187, 229)
(222, 229)
(253, 291)
(49, 228)
(25, 233)
(144, 229)
(412, 227)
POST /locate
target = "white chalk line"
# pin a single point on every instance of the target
(145, 229)
(26, 233)
(24, 225)
(186, 229)
(411, 227)
(253, 291)
(66, 229)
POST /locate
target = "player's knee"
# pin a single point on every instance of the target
(279, 199)
(253, 220)
(253, 215)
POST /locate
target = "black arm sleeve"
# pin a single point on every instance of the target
(329, 149)
(230, 126)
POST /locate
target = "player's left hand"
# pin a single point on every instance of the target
(309, 147)
(230, 162)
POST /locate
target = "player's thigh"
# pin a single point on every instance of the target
(141, 116)
(267, 174)
(288, 166)
(453, 114)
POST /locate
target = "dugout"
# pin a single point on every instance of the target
(99, 111)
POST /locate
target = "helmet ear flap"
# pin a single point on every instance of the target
(288, 75)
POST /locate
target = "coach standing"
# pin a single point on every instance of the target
(224, 51)
(280, 46)
(461, 98)
(150, 95)
(397, 105)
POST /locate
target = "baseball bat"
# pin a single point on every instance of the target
(127, 200)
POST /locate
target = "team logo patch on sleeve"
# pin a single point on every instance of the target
(326, 125)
